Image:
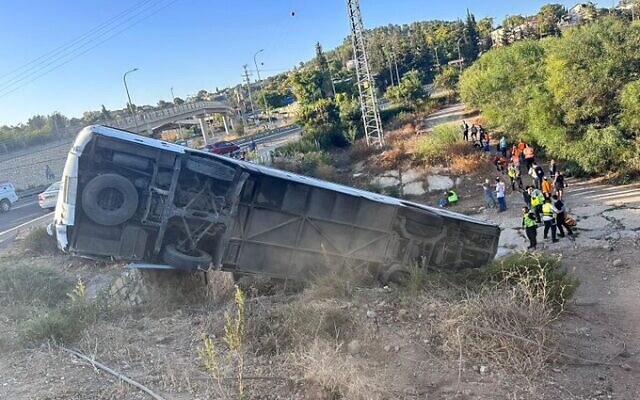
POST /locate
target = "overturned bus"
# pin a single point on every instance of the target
(128, 197)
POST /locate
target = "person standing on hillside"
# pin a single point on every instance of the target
(546, 188)
(530, 227)
(514, 175)
(500, 193)
(561, 216)
(481, 133)
(489, 200)
(465, 131)
(539, 175)
(503, 146)
(474, 132)
(559, 184)
(553, 168)
(537, 199)
(526, 196)
(549, 220)
(529, 156)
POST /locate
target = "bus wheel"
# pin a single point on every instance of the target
(176, 258)
(397, 274)
(109, 199)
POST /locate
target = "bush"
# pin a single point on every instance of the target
(505, 322)
(32, 285)
(543, 275)
(62, 324)
(39, 242)
(435, 147)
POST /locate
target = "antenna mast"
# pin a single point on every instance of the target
(366, 86)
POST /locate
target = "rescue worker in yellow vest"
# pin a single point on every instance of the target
(549, 218)
(530, 227)
(537, 200)
(452, 197)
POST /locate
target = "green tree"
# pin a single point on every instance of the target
(485, 27)
(307, 85)
(202, 95)
(164, 104)
(105, 114)
(177, 101)
(323, 65)
(513, 21)
(630, 102)
(448, 80)
(471, 38)
(409, 91)
(548, 18)
(321, 123)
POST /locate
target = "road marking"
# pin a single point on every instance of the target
(24, 205)
(15, 228)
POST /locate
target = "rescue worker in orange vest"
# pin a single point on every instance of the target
(549, 219)
(546, 188)
(529, 156)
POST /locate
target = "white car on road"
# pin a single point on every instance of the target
(8, 196)
(49, 197)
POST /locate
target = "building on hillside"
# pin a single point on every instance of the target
(504, 36)
(578, 14)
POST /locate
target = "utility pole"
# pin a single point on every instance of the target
(264, 98)
(393, 55)
(126, 88)
(459, 55)
(390, 69)
(435, 50)
(248, 82)
(366, 85)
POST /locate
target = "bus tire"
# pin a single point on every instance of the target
(177, 259)
(109, 199)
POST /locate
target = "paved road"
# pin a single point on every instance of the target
(24, 213)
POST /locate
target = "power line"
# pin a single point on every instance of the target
(76, 40)
(8, 90)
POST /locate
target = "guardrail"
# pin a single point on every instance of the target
(255, 138)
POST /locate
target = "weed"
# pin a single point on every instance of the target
(39, 242)
(337, 376)
(234, 339)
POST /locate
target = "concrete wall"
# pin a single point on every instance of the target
(27, 169)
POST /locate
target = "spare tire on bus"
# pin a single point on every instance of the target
(109, 199)
(180, 260)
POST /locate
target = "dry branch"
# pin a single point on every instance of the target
(118, 375)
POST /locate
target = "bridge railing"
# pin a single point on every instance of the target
(152, 116)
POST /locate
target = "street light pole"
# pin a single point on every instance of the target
(459, 55)
(126, 88)
(264, 98)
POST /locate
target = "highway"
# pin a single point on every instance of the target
(23, 213)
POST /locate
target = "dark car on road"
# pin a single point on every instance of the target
(223, 147)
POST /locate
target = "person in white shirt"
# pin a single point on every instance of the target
(500, 193)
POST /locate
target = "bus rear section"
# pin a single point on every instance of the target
(132, 198)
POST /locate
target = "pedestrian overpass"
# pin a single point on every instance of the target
(151, 120)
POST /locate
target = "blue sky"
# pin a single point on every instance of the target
(187, 44)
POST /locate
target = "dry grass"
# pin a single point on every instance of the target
(507, 325)
(470, 164)
(326, 369)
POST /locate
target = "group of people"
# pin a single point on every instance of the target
(543, 198)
